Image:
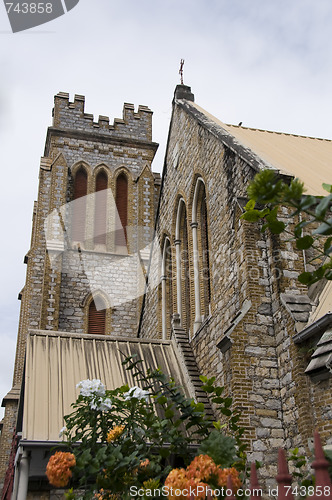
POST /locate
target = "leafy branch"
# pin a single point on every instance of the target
(309, 223)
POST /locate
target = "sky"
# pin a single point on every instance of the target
(266, 63)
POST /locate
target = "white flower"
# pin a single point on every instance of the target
(101, 404)
(62, 431)
(136, 392)
(91, 387)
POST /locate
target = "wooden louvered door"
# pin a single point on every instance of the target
(100, 229)
(122, 208)
(97, 320)
(79, 206)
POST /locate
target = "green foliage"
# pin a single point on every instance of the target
(310, 214)
(232, 417)
(147, 434)
(328, 455)
(300, 464)
(220, 448)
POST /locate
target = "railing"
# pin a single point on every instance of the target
(321, 491)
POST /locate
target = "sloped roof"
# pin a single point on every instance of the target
(307, 158)
(325, 303)
(57, 361)
(322, 357)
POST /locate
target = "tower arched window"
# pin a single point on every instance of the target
(122, 210)
(79, 205)
(100, 219)
(96, 318)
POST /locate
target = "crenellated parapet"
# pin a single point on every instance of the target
(72, 116)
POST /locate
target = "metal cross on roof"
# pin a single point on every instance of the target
(181, 70)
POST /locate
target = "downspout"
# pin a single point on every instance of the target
(23, 476)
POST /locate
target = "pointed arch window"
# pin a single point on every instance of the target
(122, 210)
(201, 258)
(79, 205)
(100, 223)
(166, 289)
(183, 267)
(205, 257)
(96, 318)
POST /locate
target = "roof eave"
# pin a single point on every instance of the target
(318, 326)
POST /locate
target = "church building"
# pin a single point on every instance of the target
(123, 261)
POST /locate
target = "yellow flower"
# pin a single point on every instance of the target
(115, 433)
(58, 468)
(103, 495)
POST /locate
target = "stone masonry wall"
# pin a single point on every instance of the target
(71, 115)
(262, 369)
(56, 285)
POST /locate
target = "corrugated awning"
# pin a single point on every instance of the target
(56, 362)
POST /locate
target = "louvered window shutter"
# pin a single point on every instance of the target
(96, 320)
(100, 209)
(79, 205)
(122, 207)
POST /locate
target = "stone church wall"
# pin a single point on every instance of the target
(261, 367)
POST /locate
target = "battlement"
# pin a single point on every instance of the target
(71, 115)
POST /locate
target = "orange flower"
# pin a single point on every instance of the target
(115, 433)
(176, 480)
(144, 463)
(202, 468)
(199, 473)
(58, 468)
(223, 475)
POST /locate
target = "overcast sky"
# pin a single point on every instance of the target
(267, 63)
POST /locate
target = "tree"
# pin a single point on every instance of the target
(309, 222)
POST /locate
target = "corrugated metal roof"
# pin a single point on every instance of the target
(307, 158)
(56, 362)
(324, 305)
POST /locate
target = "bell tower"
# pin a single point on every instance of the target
(91, 233)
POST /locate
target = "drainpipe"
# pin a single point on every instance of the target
(23, 476)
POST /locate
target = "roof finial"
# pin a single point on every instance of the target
(181, 70)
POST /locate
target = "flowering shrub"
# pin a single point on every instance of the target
(59, 467)
(133, 437)
(136, 392)
(91, 388)
(200, 476)
(202, 468)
